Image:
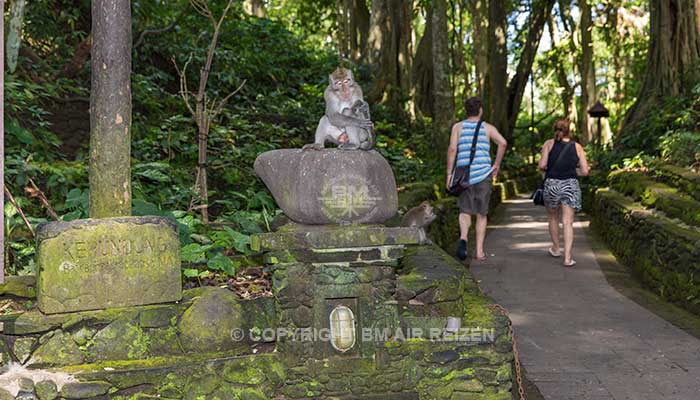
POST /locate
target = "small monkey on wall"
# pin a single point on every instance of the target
(347, 120)
(419, 217)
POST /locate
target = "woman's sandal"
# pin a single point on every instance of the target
(553, 254)
(571, 264)
(484, 258)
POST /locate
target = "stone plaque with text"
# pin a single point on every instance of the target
(105, 263)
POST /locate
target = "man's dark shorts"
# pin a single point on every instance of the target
(475, 199)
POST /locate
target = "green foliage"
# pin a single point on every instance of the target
(681, 147)
(670, 131)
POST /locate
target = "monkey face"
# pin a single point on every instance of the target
(428, 215)
(342, 82)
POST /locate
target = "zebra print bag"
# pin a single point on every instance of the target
(538, 195)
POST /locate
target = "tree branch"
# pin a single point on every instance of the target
(34, 191)
(19, 211)
(184, 90)
(168, 27)
(222, 103)
(516, 88)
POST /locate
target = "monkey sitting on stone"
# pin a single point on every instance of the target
(419, 217)
(346, 121)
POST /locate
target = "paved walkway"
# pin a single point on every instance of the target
(578, 337)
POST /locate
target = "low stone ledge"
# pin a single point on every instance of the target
(653, 194)
(32, 322)
(687, 181)
(20, 286)
(356, 254)
(336, 237)
(84, 390)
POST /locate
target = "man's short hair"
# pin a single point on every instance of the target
(472, 106)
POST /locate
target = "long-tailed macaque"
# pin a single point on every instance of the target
(346, 121)
(419, 217)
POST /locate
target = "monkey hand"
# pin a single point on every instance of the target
(366, 124)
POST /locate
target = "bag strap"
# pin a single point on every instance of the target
(476, 138)
(472, 152)
(559, 157)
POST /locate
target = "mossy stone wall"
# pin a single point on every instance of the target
(653, 194)
(663, 254)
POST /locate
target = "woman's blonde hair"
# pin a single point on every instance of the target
(561, 128)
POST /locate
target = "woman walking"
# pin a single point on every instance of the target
(564, 161)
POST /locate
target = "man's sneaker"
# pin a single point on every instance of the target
(462, 249)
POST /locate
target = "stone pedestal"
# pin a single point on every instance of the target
(104, 263)
(322, 269)
(330, 186)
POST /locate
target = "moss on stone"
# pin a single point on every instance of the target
(122, 339)
(207, 325)
(653, 194)
(56, 349)
(20, 286)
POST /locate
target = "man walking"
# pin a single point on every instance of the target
(475, 199)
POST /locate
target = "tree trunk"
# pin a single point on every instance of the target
(389, 50)
(403, 30)
(673, 57)
(380, 50)
(479, 13)
(255, 7)
(516, 88)
(587, 68)
(444, 102)
(14, 33)
(358, 28)
(343, 21)
(2, 148)
(110, 109)
(496, 86)
(567, 90)
(461, 74)
(423, 69)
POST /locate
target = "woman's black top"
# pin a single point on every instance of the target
(563, 167)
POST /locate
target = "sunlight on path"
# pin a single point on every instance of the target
(578, 337)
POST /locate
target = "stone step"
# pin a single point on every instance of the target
(336, 237)
(356, 254)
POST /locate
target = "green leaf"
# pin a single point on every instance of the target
(194, 252)
(240, 242)
(153, 174)
(190, 272)
(222, 263)
(22, 135)
(73, 198)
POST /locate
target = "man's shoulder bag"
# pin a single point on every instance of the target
(460, 175)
